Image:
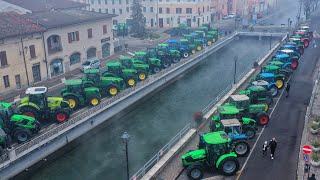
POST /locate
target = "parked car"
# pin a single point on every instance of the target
(238, 18)
(259, 15)
(232, 15)
(226, 17)
(92, 63)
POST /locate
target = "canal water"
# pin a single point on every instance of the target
(151, 123)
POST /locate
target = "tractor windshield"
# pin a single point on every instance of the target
(174, 44)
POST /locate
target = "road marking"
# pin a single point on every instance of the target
(245, 163)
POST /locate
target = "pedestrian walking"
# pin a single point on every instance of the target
(264, 148)
(313, 177)
(287, 89)
(273, 146)
(314, 44)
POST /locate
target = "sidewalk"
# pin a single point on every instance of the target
(134, 44)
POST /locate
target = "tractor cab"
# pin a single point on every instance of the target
(191, 47)
(258, 95)
(289, 63)
(299, 38)
(204, 37)
(292, 54)
(192, 39)
(307, 29)
(154, 64)
(75, 86)
(92, 75)
(138, 64)
(233, 129)
(270, 69)
(241, 102)
(269, 77)
(114, 69)
(174, 44)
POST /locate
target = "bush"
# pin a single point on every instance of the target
(154, 36)
(314, 126)
(316, 119)
(315, 157)
(315, 144)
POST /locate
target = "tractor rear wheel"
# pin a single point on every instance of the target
(209, 43)
(29, 111)
(199, 48)
(185, 54)
(195, 170)
(94, 100)
(112, 90)
(229, 166)
(306, 43)
(301, 50)
(295, 64)
(175, 59)
(130, 81)
(193, 51)
(21, 134)
(250, 132)
(241, 148)
(37, 128)
(204, 46)
(60, 115)
(74, 102)
(155, 69)
(274, 90)
(262, 118)
(165, 63)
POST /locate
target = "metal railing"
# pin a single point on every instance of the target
(164, 150)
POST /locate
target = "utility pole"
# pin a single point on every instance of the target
(235, 69)
(299, 13)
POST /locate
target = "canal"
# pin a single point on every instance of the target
(151, 123)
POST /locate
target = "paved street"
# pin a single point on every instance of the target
(286, 124)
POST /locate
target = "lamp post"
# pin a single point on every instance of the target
(235, 69)
(125, 138)
(270, 40)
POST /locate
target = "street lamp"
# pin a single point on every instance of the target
(125, 138)
(235, 69)
(270, 40)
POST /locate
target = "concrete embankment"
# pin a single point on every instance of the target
(25, 155)
(169, 167)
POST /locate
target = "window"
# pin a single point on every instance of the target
(207, 18)
(90, 33)
(202, 19)
(104, 29)
(6, 81)
(167, 0)
(120, 1)
(199, 10)
(222, 6)
(144, 9)
(168, 10)
(113, 11)
(120, 11)
(107, 11)
(99, 1)
(168, 20)
(99, 10)
(151, 9)
(178, 20)
(189, 10)
(160, 10)
(106, 1)
(178, 11)
(208, 9)
(3, 58)
(18, 81)
(160, 0)
(112, 1)
(92, 1)
(127, 1)
(73, 36)
(75, 58)
(127, 9)
(203, 9)
(92, 9)
(32, 51)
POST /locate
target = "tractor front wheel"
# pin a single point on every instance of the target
(176, 59)
(165, 64)
(21, 134)
(155, 69)
(306, 43)
(112, 89)
(74, 102)
(199, 48)
(185, 54)
(193, 51)
(29, 111)
(94, 100)
(209, 43)
(262, 118)
(241, 148)
(250, 132)
(279, 83)
(229, 166)
(274, 90)
(142, 76)
(60, 115)
(195, 171)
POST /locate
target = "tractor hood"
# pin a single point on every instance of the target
(250, 121)
(192, 156)
(91, 89)
(18, 118)
(260, 83)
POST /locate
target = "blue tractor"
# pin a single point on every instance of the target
(293, 47)
(288, 63)
(200, 36)
(292, 53)
(268, 81)
(233, 128)
(176, 45)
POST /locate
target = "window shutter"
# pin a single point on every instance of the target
(3, 58)
(77, 35)
(32, 51)
(90, 33)
(104, 29)
(70, 37)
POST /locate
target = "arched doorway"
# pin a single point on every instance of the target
(91, 53)
(56, 67)
(105, 50)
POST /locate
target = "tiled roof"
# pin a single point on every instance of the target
(46, 5)
(59, 18)
(13, 24)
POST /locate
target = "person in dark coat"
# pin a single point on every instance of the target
(287, 89)
(264, 148)
(313, 177)
(272, 145)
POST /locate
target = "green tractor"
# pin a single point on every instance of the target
(110, 86)
(130, 63)
(258, 95)
(178, 31)
(192, 48)
(253, 111)
(19, 127)
(38, 105)
(79, 95)
(280, 77)
(233, 128)
(193, 40)
(204, 37)
(163, 53)
(5, 142)
(216, 154)
(155, 64)
(286, 70)
(130, 76)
